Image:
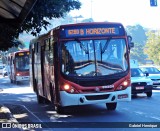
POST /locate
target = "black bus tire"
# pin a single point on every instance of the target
(40, 99)
(111, 106)
(16, 82)
(59, 109)
(149, 94)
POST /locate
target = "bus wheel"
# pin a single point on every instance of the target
(149, 94)
(59, 109)
(16, 82)
(111, 106)
(40, 99)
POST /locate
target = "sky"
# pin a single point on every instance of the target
(128, 12)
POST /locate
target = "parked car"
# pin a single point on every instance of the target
(4, 72)
(154, 74)
(1, 69)
(140, 82)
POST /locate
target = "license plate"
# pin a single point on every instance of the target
(139, 87)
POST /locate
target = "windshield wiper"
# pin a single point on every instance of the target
(82, 46)
(106, 45)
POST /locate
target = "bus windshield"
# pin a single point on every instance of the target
(22, 63)
(94, 57)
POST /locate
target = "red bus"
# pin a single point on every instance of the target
(18, 66)
(80, 64)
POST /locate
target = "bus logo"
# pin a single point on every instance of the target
(97, 89)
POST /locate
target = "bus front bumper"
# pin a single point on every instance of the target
(94, 98)
(22, 78)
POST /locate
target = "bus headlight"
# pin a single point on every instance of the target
(125, 83)
(123, 86)
(18, 74)
(68, 88)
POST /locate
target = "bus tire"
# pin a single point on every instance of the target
(111, 106)
(149, 94)
(59, 109)
(16, 82)
(40, 99)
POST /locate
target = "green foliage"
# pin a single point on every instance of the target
(45, 10)
(38, 18)
(138, 53)
(152, 47)
(139, 38)
(138, 34)
(88, 20)
(12, 49)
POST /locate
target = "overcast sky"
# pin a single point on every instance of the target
(128, 12)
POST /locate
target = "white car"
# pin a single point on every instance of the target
(140, 83)
(1, 69)
(154, 74)
(4, 72)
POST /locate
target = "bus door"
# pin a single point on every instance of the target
(32, 64)
(46, 68)
(38, 75)
(12, 69)
(42, 69)
(57, 97)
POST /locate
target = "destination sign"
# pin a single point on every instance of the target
(22, 53)
(92, 31)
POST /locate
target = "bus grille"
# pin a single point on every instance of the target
(96, 82)
(97, 97)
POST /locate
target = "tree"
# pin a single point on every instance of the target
(45, 10)
(138, 53)
(4, 54)
(138, 33)
(88, 20)
(139, 37)
(38, 18)
(152, 47)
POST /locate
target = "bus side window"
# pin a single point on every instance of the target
(51, 53)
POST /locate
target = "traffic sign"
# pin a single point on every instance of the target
(153, 2)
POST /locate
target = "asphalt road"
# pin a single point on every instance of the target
(21, 100)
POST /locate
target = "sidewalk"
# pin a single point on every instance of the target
(6, 115)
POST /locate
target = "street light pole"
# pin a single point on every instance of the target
(91, 8)
(76, 17)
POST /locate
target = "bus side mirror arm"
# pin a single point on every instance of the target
(131, 45)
